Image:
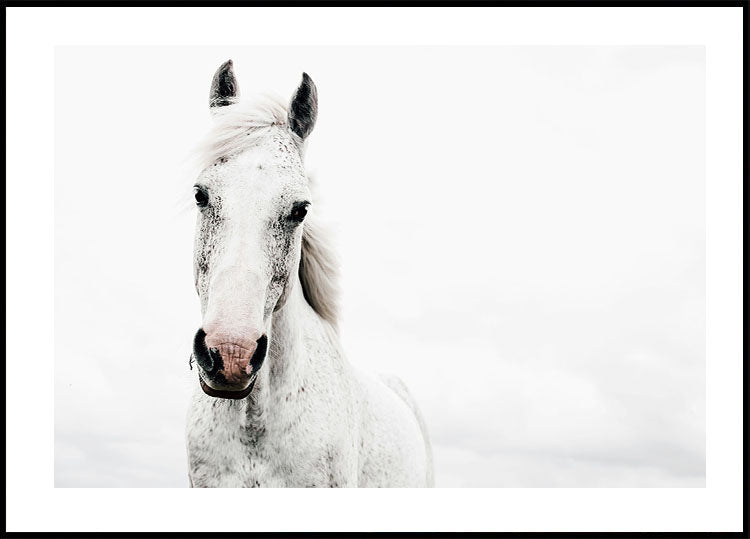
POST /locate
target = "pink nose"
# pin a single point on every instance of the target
(235, 357)
(229, 360)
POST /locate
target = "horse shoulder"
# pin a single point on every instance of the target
(394, 447)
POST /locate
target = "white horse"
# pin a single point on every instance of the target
(278, 405)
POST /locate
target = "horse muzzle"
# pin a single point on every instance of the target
(228, 366)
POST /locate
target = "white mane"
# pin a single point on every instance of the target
(238, 127)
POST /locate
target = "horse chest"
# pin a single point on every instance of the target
(282, 451)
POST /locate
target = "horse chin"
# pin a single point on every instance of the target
(227, 394)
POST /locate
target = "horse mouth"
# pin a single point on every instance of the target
(226, 393)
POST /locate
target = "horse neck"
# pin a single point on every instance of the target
(287, 365)
(291, 323)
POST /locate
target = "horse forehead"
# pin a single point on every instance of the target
(279, 155)
(257, 179)
(269, 172)
(262, 176)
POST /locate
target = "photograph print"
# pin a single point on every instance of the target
(387, 266)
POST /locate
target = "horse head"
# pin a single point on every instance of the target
(252, 197)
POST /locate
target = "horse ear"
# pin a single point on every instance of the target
(303, 109)
(224, 89)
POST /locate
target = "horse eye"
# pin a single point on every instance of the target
(298, 212)
(201, 197)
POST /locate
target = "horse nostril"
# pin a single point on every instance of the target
(260, 353)
(206, 359)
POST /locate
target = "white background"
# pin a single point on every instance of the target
(521, 232)
(723, 366)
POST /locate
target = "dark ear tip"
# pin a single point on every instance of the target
(226, 67)
(303, 109)
(224, 89)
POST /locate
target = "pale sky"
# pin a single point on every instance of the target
(521, 232)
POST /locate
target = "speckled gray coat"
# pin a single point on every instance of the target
(310, 419)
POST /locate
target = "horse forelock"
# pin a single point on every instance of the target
(239, 127)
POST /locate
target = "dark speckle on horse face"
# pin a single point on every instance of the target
(282, 250)
(210, 227)
(330, 462)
